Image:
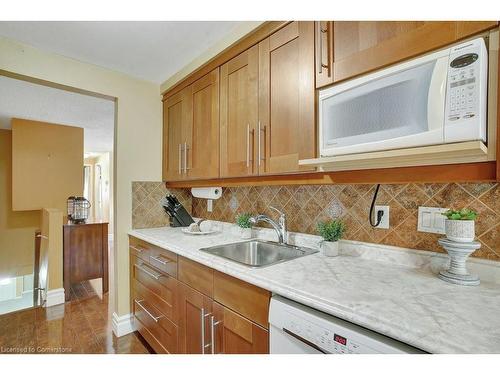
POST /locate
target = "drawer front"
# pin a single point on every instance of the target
(246, 299)
(162, 287)
(148, 336)
(197, 276)
(164, 260)
(163, 330)
(139, 248)
(165, 303)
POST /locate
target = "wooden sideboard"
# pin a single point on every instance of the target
(85, 254)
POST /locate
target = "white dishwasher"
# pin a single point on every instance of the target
(298, 329)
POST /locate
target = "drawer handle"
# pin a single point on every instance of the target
(136, 249)
(155, 276)
(155, 318)
(159, 260)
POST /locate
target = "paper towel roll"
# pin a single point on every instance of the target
(207, 193)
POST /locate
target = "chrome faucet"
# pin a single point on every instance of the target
(279, 227)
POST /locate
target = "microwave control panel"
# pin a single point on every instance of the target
(466, 92)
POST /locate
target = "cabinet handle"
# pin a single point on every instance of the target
(155, 318)
(213, 324)
(263, 130)
(136, 249)
(248, 145)
(319, 46)
(202, 318)
(159, 260)
(180, 158)
(186, 157)
(319, 53)
(155, 276)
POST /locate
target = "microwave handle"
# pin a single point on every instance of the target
(437, 98)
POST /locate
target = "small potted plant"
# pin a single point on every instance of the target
(243, 221)
(459, 225)
(331, 231)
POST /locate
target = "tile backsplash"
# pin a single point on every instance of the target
(146, 208)
(306, 205)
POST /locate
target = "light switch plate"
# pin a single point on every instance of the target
(430, 219)
(384, 223)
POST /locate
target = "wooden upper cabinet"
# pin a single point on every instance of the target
(201, 157)
(357, 47)
(233, 334)
(176, 114)
(286, 128)
(191, 131)
(239, 114)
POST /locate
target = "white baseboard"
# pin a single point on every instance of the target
(54, 297)
(122, 325)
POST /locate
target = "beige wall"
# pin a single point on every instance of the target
(137, 139)
(47, 164)
(17, 229)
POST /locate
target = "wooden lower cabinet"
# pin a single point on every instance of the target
(234, 334)
(154, 324)
(198, 311)
(194, 311)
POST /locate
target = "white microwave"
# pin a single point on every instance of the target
(435, 99)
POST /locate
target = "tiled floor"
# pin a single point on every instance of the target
(82, 325)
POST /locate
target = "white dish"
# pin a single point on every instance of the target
(187, 231)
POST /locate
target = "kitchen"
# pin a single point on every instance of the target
(304, 187)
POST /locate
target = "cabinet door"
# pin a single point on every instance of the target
(233, 334)
(195, 310)
(323, 49)
(286, 99)
(201, 153)
(176, 114)
(362, 46)
(238, 114)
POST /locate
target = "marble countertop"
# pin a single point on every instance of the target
(404, 302)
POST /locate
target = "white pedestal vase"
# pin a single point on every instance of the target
(246, 233)
(459, 252)
(330, 249)
(459, 230)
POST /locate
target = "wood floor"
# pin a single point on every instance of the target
(82, 325)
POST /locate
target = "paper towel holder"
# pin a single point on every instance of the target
(209, 193)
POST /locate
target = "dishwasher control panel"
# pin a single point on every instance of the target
(323, 338)
(295, 329)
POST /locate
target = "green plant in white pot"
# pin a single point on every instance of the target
(459, 225)
(331, 231)
(243, 221)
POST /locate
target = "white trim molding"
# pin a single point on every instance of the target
(54, 297)
(122, 325)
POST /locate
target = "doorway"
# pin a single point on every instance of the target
(22, 274)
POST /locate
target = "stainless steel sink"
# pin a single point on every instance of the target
(258, 253)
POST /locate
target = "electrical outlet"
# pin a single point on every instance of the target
(384, 223)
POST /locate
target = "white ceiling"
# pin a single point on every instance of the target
(31, 101)
(153, 50)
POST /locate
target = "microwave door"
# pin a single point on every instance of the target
(402, 108)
